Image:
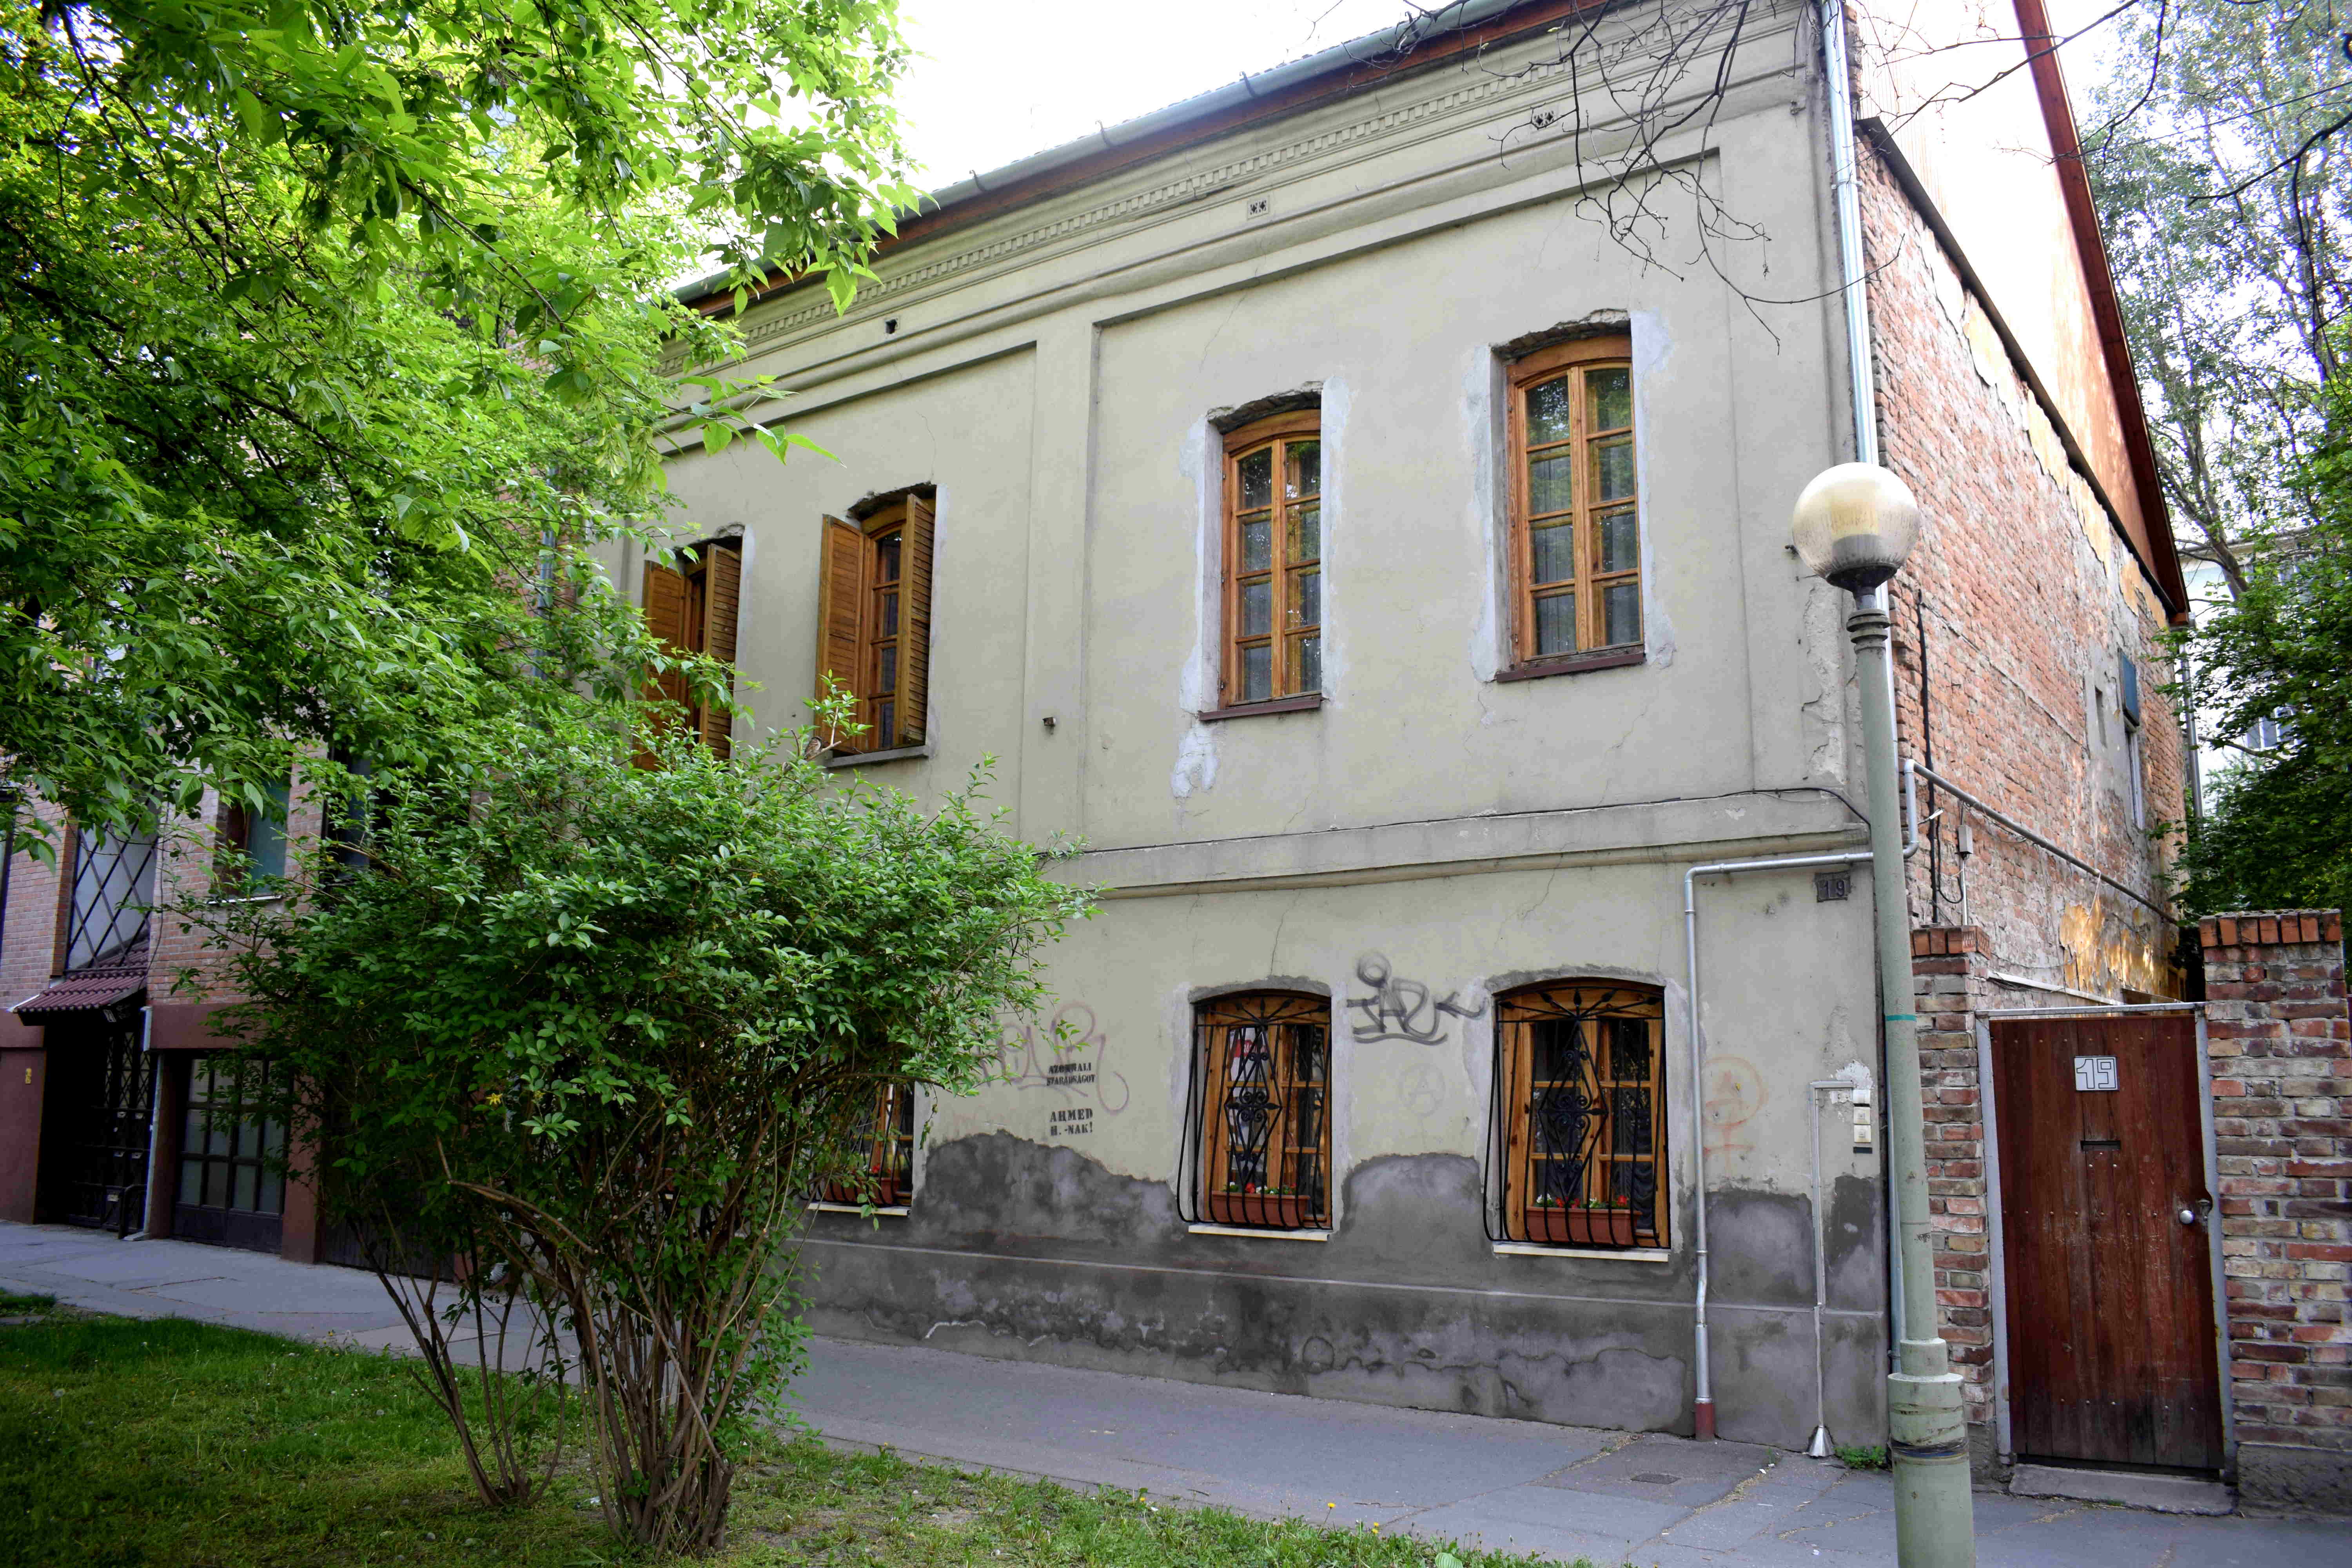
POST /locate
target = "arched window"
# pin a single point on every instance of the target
(1581, 1115)
(1260, 1119)
(883, 1173)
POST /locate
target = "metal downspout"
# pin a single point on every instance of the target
(1703, 1401)
(1703, 1404)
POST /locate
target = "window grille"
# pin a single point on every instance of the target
(1258, 1122)
(1579, 1117)
(887, 1141)
(113, 890)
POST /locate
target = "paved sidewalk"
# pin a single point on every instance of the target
(1562, 1491)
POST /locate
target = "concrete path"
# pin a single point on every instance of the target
(1562, 1491)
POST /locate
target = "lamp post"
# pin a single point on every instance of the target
(1855, 525)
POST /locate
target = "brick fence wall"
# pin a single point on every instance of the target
(2280, 1049)
(1948, 965)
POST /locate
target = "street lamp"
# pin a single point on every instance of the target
(1854, 525)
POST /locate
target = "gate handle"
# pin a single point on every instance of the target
(2187, 1216)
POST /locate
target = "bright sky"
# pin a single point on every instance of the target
(1000, 81)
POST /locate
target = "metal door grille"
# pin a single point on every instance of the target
(112, 1090)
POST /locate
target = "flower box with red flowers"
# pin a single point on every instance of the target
(1277, 1208)
(881, 1191)
(1577, 1225)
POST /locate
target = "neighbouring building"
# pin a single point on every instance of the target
(120, 1109)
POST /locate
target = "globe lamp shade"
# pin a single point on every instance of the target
(1855, 525)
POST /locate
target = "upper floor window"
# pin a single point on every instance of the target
(874, 622)
(254, 837)
(1575, 524)
(1580, 1110)
(1274, 561)
(1261, 1112)
(109, 891)
(693, 608)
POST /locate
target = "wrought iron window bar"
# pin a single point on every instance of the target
(1257, 1124)
(1578, 1118)
(887, 1177)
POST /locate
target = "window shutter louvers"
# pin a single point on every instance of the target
(722, 596)
(916, 568)
(665, 609)
(840, 615)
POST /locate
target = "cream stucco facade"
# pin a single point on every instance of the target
(1055, 369)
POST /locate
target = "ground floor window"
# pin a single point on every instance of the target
(232, 1185)
(1260, 1115)
(886, 1143)
(1581, 1115)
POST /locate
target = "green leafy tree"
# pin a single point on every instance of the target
(334, 337)
(2218, 167)
(592, 1031)
(2278, 661)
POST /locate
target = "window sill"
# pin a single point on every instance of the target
(896, 1211)
(1259, 1235)
(1574, 663)
(862, 759)
(1623, 1254)
(1306, 704)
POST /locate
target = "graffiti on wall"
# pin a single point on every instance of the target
(1069, 1055)
(1735, 1093)
(1400, 1009)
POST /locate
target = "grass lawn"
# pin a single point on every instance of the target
(180, 1444)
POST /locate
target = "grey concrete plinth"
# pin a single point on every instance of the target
(2164, 1494)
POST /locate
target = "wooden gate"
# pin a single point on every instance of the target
(2106, 1249)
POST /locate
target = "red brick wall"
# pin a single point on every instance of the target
(2279, 1047)
(2009, 622)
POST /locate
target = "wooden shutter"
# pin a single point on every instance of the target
(915, 569)
(840, 613)
(722, 593)
(665, 609)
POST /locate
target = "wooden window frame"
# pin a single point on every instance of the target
(709, 593)
(1291, 1189)
(855, 635)
(1287, 691)
(1574, 1197)
(889, 1134)
(1527, 373)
